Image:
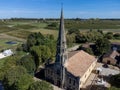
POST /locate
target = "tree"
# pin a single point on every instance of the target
(70, 39)
(109, 35)
(12, 77)
(81, 38)
(41, 54)
(9, 62)
(28, 63)
(113, 88)
(87, 49)
(102, 46)
(40, 85)
(50, 36)
(23, 82)
(73, 30)
(100, 31)
(35, 39)
(117, 36)
(53, 25)
(115, 80)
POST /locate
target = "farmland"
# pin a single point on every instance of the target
(19, 29)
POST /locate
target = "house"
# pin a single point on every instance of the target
(70, 69)
(112, 57)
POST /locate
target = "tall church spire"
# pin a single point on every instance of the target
(61, 54)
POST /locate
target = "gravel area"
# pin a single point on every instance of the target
(109, 71)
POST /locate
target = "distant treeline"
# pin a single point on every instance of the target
(113, 19)
(70, 23)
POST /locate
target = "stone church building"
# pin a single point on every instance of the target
(70, 69)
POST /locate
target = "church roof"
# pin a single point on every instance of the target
(79, 62)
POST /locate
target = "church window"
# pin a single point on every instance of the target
(74, 82)
(63, 50)
(48, 71)
(70, 80)
(51, 73)
(58, 72)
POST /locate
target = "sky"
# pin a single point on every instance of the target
(51, 8)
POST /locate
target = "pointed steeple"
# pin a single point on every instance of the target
(61, 54)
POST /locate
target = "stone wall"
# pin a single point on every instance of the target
(87, 74)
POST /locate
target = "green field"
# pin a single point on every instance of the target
(104, 30)
(20, 29)
(47, 31)
(117, 41)
(4, 46)
(19, 34)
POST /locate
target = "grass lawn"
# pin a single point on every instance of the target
(113, 40)
(1, 63)
(104, 30)
(24, 33)
(19, 34)
(30, 23)
(3, 44)
(111, 30)
(40, 25)
(47, 31)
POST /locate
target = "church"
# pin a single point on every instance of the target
(70, 69)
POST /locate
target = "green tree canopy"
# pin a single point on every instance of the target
(73, 30)
(12, 78)
(35, 39)
(113, 88)
(53, 25)
(41, 54)
(117, 35)
(109, 35)
(23, 82)
(28, 63)
(115, 80)
(40, 85)
(102, 46)
(70, 39)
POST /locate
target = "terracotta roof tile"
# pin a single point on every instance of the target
(79, 62)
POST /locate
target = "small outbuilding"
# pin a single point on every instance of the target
(112, 58)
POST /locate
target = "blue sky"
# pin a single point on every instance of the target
(51, 8)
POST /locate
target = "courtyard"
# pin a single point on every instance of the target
(100, 81)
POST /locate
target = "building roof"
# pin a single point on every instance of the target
(79, 62)
(112, 54)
